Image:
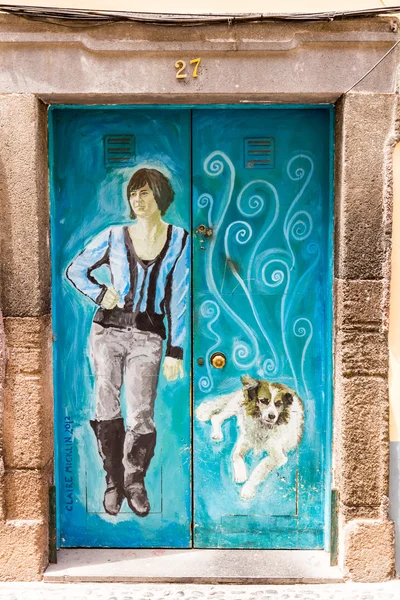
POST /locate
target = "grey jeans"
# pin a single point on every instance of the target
(130, 357)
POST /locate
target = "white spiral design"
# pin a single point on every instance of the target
(301, 284)
(275, 265)
(205, 384)
(300, 171)
(302, 327)
(275, 272)
(300, 225)
(255, 205)
(277, 276)
(241, 352)
(298, 174)
(265, 228)
(214, 166)
(298, 230)
(270, 367)
(242, 235)
(203, 201)
(300, 330)
(255, 202)
(210, 311)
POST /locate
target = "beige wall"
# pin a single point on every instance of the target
(214, 6)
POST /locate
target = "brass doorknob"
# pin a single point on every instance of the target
(218, 360)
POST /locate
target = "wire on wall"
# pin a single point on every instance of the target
(105, 16)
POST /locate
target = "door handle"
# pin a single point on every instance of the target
(203, 230)
(218, 360)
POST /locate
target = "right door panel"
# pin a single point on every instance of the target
(262, 326)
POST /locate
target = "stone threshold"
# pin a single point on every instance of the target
(192, 566)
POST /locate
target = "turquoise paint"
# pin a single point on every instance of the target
(86, 198)
(329, 337)
(262, 296)
(288, 512)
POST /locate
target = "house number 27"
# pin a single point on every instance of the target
(181, 66)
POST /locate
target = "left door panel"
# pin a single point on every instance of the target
(93, 155)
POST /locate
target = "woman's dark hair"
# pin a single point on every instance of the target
(159, 185)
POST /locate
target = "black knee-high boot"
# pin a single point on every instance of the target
(110, 443)
(138, 452)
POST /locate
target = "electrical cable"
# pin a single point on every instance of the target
(371, 69)
(106, 16)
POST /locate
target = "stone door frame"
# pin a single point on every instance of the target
(365, 134)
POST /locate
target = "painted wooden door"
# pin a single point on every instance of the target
(251, 187)
(262, 319)
(94, 153)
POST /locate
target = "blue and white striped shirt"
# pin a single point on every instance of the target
(148, 290)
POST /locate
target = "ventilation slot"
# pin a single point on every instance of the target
(259, 153)
(119, 150)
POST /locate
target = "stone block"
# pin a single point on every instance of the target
(24, 360)
(362, 353)
(23, 550)
(27, 493)
(363, 187)
(25, 332)
(359, 304)
(352, 513)
(361, 443)
(24, 215)
(28, 426)
(368, 551)
(28, 401)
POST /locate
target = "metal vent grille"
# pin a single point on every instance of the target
(119, 150)
(259, 153)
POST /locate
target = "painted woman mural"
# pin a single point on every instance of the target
(144, 305)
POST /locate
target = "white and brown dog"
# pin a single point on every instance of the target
(270, 417)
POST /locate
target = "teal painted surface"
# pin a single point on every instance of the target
(86, 198)
(262, 297)
(279, 313)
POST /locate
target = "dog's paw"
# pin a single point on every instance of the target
(239, 473)
(248, 491)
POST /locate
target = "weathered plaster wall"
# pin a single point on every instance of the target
(265, 62)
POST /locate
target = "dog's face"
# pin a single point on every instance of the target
(268, 402)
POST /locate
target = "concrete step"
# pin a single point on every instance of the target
(192, 566)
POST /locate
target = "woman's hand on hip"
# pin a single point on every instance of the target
(172, 368)
(110, 299)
